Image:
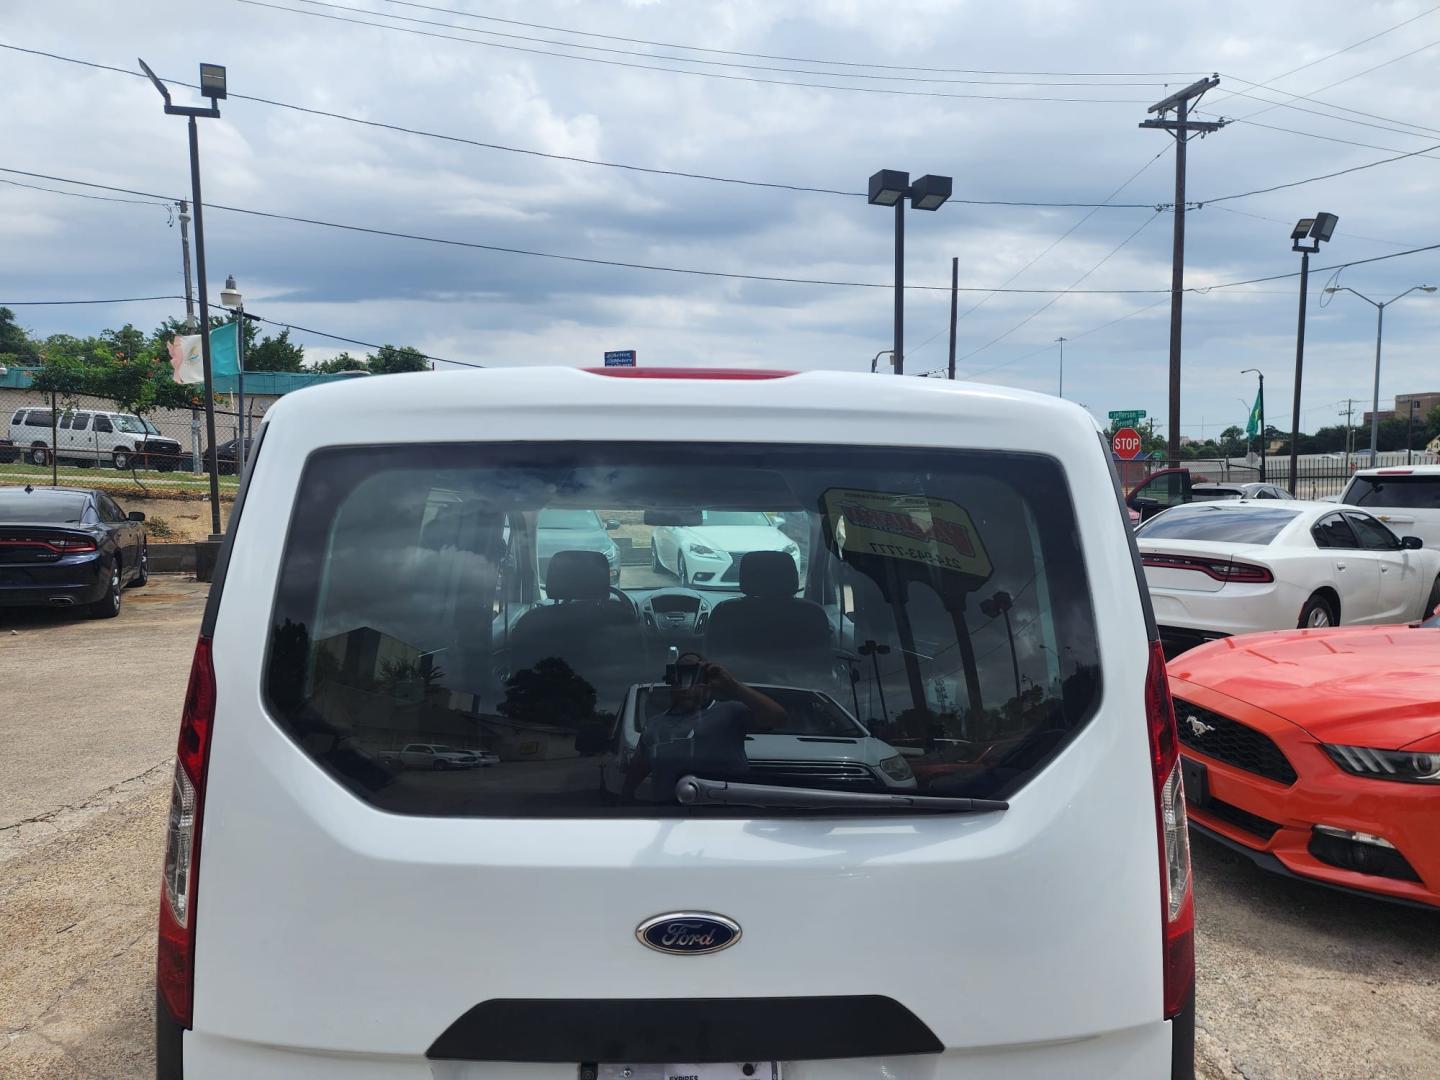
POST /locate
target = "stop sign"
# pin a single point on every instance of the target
(1126, 443)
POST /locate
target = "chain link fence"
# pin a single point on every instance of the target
(158, 462)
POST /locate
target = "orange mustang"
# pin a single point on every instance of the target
(1317, 753)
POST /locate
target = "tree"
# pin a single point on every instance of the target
(15, 344)
(388, 360)
(548, 693)
(126, 342)
(277, 353)
(343, 362)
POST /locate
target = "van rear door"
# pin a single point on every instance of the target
(359, 918)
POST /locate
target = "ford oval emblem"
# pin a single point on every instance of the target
(688, 933)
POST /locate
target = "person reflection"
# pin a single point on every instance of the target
(703, 730)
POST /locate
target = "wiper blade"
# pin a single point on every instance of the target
(695, 791)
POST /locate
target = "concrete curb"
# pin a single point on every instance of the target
(172, 558)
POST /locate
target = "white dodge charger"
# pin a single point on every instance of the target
(1216, 569)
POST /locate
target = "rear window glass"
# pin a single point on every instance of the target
(1401, 492)
(569, 519)
(47, 508)
(1252, 525)
(928, 628)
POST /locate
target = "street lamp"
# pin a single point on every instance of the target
(1317, 229)
(1061, 341)
(212, 85)
(1379, 307)
(1410, 429)
(875, 360)
(890, 187)
(230, 297)
(1260, 401)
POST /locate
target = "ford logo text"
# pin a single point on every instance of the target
(688, 933)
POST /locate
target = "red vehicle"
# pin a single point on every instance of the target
(1317, 753)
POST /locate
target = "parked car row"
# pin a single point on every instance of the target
(438, 757)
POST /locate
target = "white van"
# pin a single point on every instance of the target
(1405, 497)
(971, 590)
(93, 437)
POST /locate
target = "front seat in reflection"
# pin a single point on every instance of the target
(598, 637)
(770, 634)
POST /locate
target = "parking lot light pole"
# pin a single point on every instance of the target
(875, 360)
(1379, 306)
(889, 187)
(212, 85)
(1317, 229)
(1410, 430)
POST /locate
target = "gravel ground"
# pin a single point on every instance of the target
(1294, 981)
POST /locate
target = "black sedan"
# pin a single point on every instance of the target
(68, 547)
(229, 455)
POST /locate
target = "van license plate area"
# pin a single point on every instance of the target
(743, 1070)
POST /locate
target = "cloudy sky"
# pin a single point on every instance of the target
(1027, 101)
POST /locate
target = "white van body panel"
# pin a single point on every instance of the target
(337, 939)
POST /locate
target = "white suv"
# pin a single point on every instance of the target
(95, 437)
(1405, 497)
(1011, 899)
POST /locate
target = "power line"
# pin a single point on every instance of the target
(1313, 179)
(570, 158)
(1337, 52)
(1290, 224)
(1312, 134)
(1203, 289)
(1053, 245)
(789, 59)
(1387, 124)
(81, 195)
(674, 71)
(589, 260)
(693, 60)
(1056, 299)
(111, 300)
(353, 341)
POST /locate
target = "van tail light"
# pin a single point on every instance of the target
(1220, 569)
(175, 958)
(1177, 901)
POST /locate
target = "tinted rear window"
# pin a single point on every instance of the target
(1253, 525)
(1400, 492)
(41, 507)
(942, 638)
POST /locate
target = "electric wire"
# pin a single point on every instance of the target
(788, 59)
(1312, 179)
(693, 60)
(569, 158)
(394, 234)
(679, 71)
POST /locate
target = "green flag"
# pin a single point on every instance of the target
(1252, 428)
(224, 358)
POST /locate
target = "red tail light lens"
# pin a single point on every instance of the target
(175, 959)
(1219, 569)
(1177, 902)
(70, 544)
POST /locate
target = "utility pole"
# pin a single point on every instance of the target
(1181, 128)
(185, 262)
(954, 303)
(1349, 411)
(1062, 341)
(189, 324)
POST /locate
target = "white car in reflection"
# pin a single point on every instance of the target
(1223, 568)
(820, 745)
(708, 555)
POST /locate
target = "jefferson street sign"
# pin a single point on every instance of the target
(622, 358)
(1127, 416)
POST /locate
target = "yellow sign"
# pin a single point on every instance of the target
(916, 528)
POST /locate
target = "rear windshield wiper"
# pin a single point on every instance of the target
(695, 791)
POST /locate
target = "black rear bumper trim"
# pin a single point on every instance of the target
(664, 1030)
